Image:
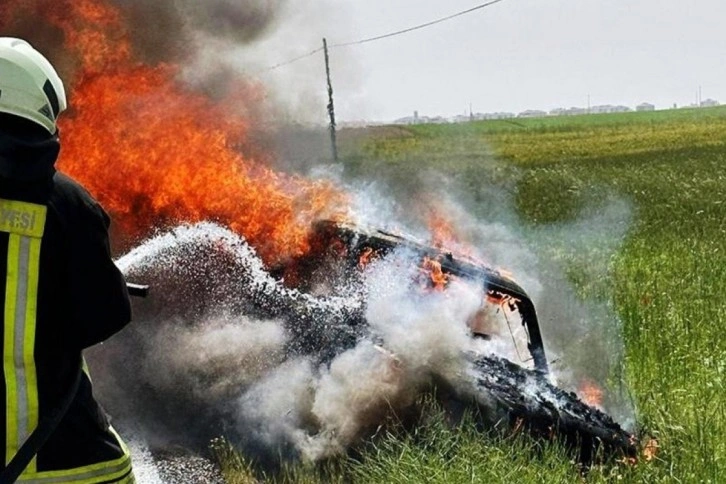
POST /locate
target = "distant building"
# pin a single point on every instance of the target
(407, 120)
(417, 119)
(645, 107)
(709, 103)
(500, 115)
(490, 116)
(608, 108)
(573, 111)
(532, 113)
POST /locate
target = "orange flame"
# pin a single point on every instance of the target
(156, 153)
(443, 233)
(366, 256)
(590, 393)
(651, 449)
(439, 279)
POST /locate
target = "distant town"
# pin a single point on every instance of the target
(533, 113)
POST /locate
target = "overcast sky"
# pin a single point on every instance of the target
(512, 56)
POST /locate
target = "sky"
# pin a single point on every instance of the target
(512, 56)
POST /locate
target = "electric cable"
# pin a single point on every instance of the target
(291, 61)
(384, 36)
(417, 27)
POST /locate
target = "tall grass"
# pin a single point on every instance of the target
(667, 282)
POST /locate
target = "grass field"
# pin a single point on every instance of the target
(667, 282)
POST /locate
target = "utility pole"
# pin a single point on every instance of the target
(331, 106)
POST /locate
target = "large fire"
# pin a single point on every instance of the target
(155, 152)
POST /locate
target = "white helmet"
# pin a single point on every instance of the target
(29, 85)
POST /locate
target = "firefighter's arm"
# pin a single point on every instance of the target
(100, 299)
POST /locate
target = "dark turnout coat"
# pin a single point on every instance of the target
(62, 294)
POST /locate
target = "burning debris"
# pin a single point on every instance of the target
(284, 372)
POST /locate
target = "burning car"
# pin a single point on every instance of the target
(322, 302)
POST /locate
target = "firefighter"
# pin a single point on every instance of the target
(61, 289)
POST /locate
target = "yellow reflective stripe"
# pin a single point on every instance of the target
(91, 474)
(25, 223)
(22, 218)
(19, 343)
(130, 479)
(21, 377)
(31, 313)
(11, 288)
(84, 366)
(120, 441)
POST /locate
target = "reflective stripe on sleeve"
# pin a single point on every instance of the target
(111, 471)
(31, 314)
(11, 289)
(19, 343)
(25, 223)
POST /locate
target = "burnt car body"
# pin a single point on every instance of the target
(201, 269)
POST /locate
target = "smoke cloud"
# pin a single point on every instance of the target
(218, 44)
(172, 31)
(159, 31)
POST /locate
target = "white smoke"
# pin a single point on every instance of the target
(277, 407)
(219, 356)
(216, 358)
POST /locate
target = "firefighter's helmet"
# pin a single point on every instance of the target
(29, 85)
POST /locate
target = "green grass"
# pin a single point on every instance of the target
(667, 282)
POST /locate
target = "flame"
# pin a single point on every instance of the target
(438, 278)
(366, 256)
(651, 449)
(155, 152)
(443, 233)
(506, 301)
(590, 393)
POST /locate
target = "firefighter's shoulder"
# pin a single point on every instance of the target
(72, 199)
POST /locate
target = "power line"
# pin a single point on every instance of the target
(418, 27)
(384, 36)
(290, 61)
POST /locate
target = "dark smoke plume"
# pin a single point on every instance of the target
(167, 30)
(159, 30)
